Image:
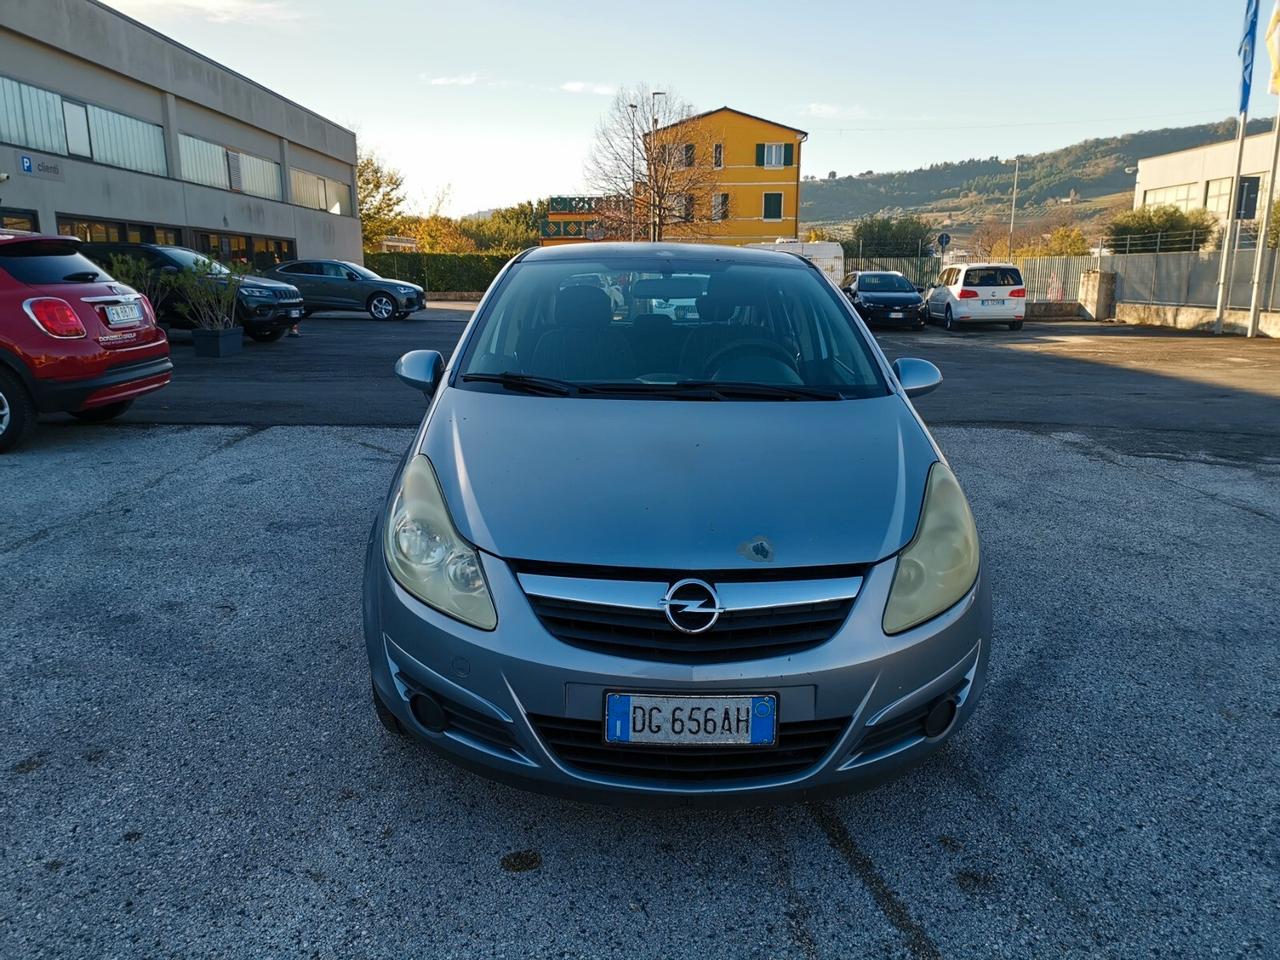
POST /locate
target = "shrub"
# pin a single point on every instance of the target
(1163, 227)
(206, 294)
(465, 272)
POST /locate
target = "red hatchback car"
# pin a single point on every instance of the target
(72, 340)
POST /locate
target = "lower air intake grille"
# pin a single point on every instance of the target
(580, 744)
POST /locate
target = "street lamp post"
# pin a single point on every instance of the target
(631, 200)
(1013, 203)
(653, 144)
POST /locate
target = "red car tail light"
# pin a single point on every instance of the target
(148, 311)
(968, 294)
(1018, 292)
(55, 317)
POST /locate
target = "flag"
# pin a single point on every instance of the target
(1273, 47)
(1246, 52)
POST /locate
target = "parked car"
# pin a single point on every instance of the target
(752, 577)
(886, 298)
(72, 340)
(265, 308)
(339, 285)
(977, 293)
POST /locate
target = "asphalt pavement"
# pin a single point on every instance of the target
(190, 766)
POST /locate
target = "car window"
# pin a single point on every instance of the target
(333, 270)
(364, 273)
(884, 283)
(686, 321)
(49, 261)
(992, 277)
(190, 260)
(306, 269)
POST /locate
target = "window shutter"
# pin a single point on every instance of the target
(688, 155)
(759, 154)
(788, 154)
(233, 165)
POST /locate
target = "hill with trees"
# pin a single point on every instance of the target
(968, 191)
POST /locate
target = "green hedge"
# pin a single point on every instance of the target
(466, 272)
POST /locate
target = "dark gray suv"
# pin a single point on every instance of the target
(340, 285)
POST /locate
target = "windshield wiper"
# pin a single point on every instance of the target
(82, 276)
(526, 383)
(716, 390)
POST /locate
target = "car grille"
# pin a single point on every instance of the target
(646, 634)
(580, 744)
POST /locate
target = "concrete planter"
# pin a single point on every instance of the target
(218, 343)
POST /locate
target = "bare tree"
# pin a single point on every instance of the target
(654, 168)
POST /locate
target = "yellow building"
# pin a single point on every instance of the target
(753, 184)
(744, 173)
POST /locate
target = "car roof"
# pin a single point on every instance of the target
(19, 236)
(984, 263)
(605, 252)
(881, 273)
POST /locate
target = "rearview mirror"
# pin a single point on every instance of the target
(421, 369)
(917, 377)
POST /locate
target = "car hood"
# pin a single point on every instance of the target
(890, 299)
(257, 280)
(680, 485)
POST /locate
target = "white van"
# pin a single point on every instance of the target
(826, 255)
(977, 293)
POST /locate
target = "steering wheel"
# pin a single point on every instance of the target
(752, 347)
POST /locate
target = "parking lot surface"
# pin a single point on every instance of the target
(191, 766)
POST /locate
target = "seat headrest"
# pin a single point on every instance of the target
(583, 306)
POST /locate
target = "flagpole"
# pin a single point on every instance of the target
(1229, 233)
(1255, 300)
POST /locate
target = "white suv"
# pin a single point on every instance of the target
(977, 293)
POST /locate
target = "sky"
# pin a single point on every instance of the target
(484, 103)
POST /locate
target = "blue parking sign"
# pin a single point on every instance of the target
(27, 165)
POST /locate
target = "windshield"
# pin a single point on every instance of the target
(191, 260)
(49, 261)
(884, 283)
(363, 272)
(695, 323)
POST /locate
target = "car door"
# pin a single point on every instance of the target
(339, 287)
(302, 275)
(933, 297)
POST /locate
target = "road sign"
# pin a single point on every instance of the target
(26, 165)
(943, 240)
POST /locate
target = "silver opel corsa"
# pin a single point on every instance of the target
(691, 541)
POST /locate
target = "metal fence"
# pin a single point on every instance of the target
(921, 271)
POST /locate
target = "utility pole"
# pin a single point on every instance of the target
(632, 188)
(1013, 204)
(1255, 300)
(653, 166)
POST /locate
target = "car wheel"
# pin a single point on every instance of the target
(17, 412)
(948, 323)
(104, 413)
(265, 336)
(388, 719)
(381, 307)
(1016, 325)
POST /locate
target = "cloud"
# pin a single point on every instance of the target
(581, 86)
(213, 11)
(456, 80)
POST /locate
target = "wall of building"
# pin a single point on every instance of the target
(1201, 165)
(86, 52)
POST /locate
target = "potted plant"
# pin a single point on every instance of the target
(207, 296)
(155, 285)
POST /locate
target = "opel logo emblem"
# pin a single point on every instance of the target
(692, 606)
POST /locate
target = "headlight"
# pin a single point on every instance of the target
(428, 557)
(406, 289)
(255, 291)
(939, 566)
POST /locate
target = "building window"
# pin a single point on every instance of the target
(320, 193)
(244, 249)
(717, 154)
(720, 206)
(19, 220)
(31, 117)
(214, 165)
(773, 154)
(115, 231)
(257, 176)
(1183, 196)
(690, 155)
(1217, 196)
(125, 142)
(77, 120)
(773, 206)
(203, 162)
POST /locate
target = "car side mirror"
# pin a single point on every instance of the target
(421, 369)
(352, 276)
(169, 268)
(917, 377)
(919, 289)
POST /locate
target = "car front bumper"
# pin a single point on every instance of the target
(506, 692)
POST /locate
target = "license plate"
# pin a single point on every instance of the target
(993, 303)
(295, 313)
(895, 316)
(124, 313)
(745, 719)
